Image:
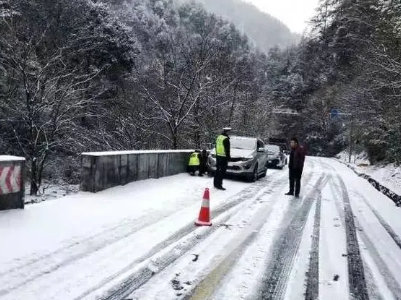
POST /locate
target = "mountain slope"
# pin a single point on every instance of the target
(263, 30)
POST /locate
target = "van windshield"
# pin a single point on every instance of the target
(243, 143)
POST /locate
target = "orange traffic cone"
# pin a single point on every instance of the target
(204, 214)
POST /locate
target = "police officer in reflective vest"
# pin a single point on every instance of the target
(222, 158)
(194, 163)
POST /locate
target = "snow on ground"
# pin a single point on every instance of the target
(379, 231)
(253, 257)
(51, 225)
(247, 242)
(67, 232)
(219, 251)
(357, 159)
(296, 280)
(50, 191)
(139, 241)
(332, 249)
(360, 189)
(387, 175)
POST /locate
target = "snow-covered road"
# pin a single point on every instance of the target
(341, 240)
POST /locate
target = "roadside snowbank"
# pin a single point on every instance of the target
(386, 178)
(388, 175)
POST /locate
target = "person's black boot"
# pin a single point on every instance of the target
(220, 188)
(289, 194)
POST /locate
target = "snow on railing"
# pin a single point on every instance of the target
(11, 158)
(110, 153)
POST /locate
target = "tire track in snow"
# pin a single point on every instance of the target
(387, 276)
(312, 285)
(149, 269)
(384, 223)
(46, 264)
(60, 258)
(132, 227)
(386, 226)
(371, 283)
(238, 247)
(226, 265)
(286, 246)
(374, 293)
(356, 275)
(207, 286)
(139, 277)
(86, 246)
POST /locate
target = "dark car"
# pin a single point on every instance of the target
(276, 158)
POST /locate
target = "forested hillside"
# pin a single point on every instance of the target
(351, 62)
(263, 30)
(91, 75)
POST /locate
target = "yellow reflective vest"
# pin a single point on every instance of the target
(194, 159)
(220, 149)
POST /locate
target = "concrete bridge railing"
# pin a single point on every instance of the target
(103, 170)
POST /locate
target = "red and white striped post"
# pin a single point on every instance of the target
(12, 191)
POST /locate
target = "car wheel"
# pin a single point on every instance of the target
(264, 174)
(255, 175)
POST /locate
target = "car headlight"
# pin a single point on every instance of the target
(247, 165)
(247, 162)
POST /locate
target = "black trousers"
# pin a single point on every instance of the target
(192, 169)
(295, 181)
(221, 169)
(202, 168)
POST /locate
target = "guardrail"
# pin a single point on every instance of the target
(103, 170)
(12, 183)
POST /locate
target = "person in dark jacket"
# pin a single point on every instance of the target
(203, 163)
(296, 166)
(222, 158)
